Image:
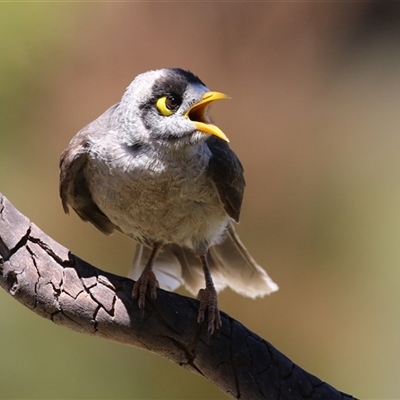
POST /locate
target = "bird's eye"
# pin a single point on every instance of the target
(167, 105)
(172, 102)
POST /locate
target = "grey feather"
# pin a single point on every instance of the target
(74, 188)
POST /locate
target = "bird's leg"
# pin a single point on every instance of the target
(208, 299)
(146, 280)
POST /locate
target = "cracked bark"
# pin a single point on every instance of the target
(51, 281)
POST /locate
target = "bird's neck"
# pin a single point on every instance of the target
(176, 150)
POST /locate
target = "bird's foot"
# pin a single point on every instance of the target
(209, 303)
(146, 281)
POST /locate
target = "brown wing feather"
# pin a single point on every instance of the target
(226, 172)
(74, 190)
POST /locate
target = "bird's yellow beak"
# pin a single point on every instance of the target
(197, 114)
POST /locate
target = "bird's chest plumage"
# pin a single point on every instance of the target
(165, 197)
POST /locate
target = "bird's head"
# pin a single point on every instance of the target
(168, 105)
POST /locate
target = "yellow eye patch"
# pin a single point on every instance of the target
(162, 106)
(167, 105)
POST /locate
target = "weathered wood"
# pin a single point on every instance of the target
(51, 281)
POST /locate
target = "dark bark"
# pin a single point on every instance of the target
(54, 283)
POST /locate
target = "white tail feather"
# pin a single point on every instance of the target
(230, 265)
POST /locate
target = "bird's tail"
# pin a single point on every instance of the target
(230, 264)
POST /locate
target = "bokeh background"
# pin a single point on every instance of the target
(315, 119)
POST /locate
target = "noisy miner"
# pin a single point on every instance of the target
(155, 168)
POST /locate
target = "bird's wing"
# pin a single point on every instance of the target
(230, 263)
(226, 171)
(74, 190)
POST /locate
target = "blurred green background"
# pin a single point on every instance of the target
(314, 117)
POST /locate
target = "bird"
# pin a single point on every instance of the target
(155, 167)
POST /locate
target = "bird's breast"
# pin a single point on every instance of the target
(160, 199)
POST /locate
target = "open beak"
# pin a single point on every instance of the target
(198, 114)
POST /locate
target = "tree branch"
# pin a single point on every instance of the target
(54, 283)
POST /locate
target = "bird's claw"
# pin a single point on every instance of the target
(146, 281)
(209, 303)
